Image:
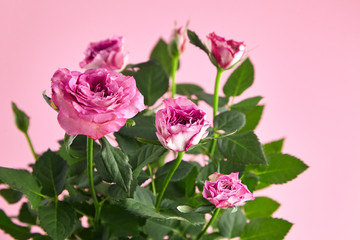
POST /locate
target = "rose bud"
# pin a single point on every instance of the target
(180, 124)
(226, 190)
(108, 54)
(96, 102)
(178, 42)
(226, 52)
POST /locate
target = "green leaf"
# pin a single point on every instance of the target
(250, 180)
(227, 167)
(16, 231)
(145, 155)
(273, 147)
(187, 89)
(231, 224)
(10, 195)
(181, 172)
(128, 145)
(246, 104)
(114, 165)
(266, 229)
(119, 221)
(27, 215)
(242, 147)
(24, 182)
(261, 207)
(253, 118)
(282, 168)
(160, 53)
(144, 128)
(229, 121)
(50, 170)
(141, 209)
(195, 40)
(57, 219)
(48, 100)
(144, 196)
(209, 99)
(21, 119)
(240, 79)
(157, 229)
(152, 81)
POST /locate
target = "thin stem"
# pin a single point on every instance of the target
(168, 178)
(152, 179)
(208, 224)
(215, 106)
(90, 150)
(175, 63)
(31, 146)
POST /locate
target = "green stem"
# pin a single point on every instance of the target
(31, 146)
(175, 63)
(208, 224)
(152, 179)
(168, 178)
(90, 150)
(215, 106)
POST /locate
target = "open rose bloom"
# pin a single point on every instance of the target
(226, 52)
(108, 54)
(96, 102)
(226, 190)
(180, 124)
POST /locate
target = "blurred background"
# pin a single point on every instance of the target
(306, 58)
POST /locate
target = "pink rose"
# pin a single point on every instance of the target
(108, 54)
(226, 190)
(96, 102)
(180, 124)
(226, 52)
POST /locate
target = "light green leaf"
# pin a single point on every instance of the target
(152, 81)
(253, 118)
(229, 121)
(273, 147)
(57, 219)
(261, 207)
(282, 168)
(50, 170)
(16, 231)
(24, 182)
(114, 166)
(266, 229)
(242, 147)
(231, 223)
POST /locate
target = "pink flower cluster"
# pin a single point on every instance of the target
(226, 190)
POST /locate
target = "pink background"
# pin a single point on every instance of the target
(306, 55)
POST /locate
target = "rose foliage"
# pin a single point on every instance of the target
(139, 163)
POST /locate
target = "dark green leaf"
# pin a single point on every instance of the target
(240, 79)
(114, 165)
(119, 221)
(282, 168)
(261, 207)
(48, 100)
(209, 99)
(37, 236)
(21, 119)
(195, 40)
(157, 229)
(181, 172)
(273, 147)
(250, 180)
(27, 215)
(50, 170)
(266, 229)
(253, 118)
(160, 53)
(227, 167)
(231, 223)
(145, 155)
(246, 104)
(10, 195)
(24, 182)
(141, 209)
(187, 89)
(144, 128)
(144, 196)
(128, 145)
(152, 82)
(57, 219)
(16, 231)
(229, 121)
(242, 147)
